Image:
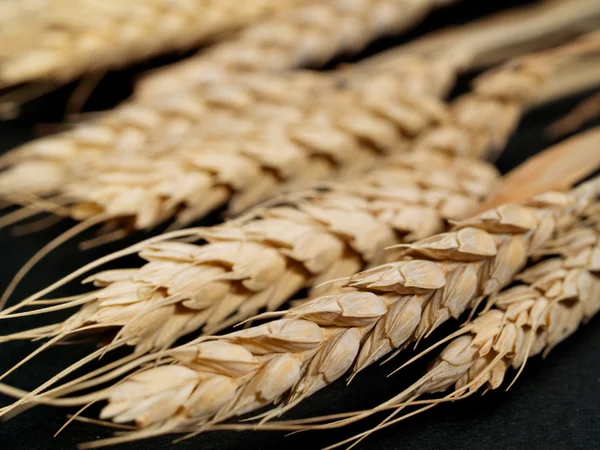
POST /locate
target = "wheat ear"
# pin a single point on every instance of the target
(313, 34)
(308, 35)
(553, 299)
(258, 110)
(59, 40)
(145, 325)
(300, 240)
(316, 343)
(172, 305)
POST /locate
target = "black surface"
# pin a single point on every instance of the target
(554, 405)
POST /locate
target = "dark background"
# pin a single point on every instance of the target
(554, 405)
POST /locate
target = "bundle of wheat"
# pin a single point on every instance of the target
(185, 287)
(212, 379)
(58, 40)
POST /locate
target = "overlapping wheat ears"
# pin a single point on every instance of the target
(395, 166)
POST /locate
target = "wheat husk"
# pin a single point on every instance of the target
(314, 344)
(55, 41)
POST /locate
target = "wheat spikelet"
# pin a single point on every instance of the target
(203, 294)
(248, 114)
(47, 165)
(467, 126)
(222, 104)
(315, 236)
(479, 122)
(316, 343)
(58, 40)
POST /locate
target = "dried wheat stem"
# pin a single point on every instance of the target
(316, 343)
(585, 111)
(58, 40)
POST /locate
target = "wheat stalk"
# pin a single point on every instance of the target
(58, 40)
(316, 343)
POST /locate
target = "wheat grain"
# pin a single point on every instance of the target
(58, 40)
(317, 342)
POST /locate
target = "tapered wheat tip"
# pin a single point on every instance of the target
(58, 40)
